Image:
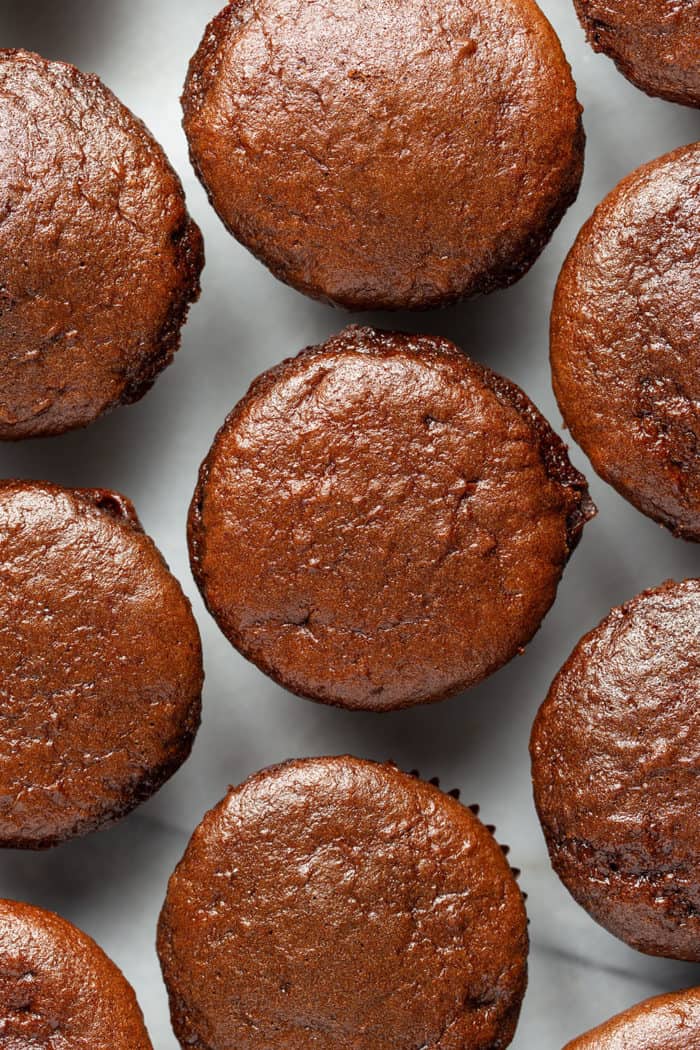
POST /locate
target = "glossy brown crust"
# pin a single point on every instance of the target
(100, 664)
(654, 43)
(386, 156)
(615, 762)
(667, 1022)
(99, 260)
(336, 903)
(382, 522)
(625, 340)
(58, 989)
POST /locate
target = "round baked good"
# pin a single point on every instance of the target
(615, 762)
(382, 155)
(339, 903)
(382, 522)
(666, 1022)
(99, 260)
(100, 663)
(626, 340)
(654, 43)
(58, 989)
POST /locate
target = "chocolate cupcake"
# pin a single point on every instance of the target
(99, 260)
(626, 340)
(382, 522)
(100, 663)
(386, 156)
(339, 903)
(615, 761)
(654, 43)
(58, 989)
(667, 1022)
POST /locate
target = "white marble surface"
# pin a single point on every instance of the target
(112, 884)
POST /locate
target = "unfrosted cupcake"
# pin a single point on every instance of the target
(386, 155)
(339, 903)
(99, 259)
(383, 522)
(58, 989)
(654, 43)
(667, 1022)
(100, 663)
(615, 762)
(625, 343)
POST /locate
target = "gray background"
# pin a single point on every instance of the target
(112, 884)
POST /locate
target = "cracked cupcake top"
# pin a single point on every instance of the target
(382, 522)
(341, 904)
(615, 764)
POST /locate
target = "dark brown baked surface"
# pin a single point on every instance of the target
(615, 762)
(384, 156)
(338, 903)
(654, 43)
(666, 1022)
(100, 664)
(99, 260)
(626, 340)
(58, 989)
(382, 522)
